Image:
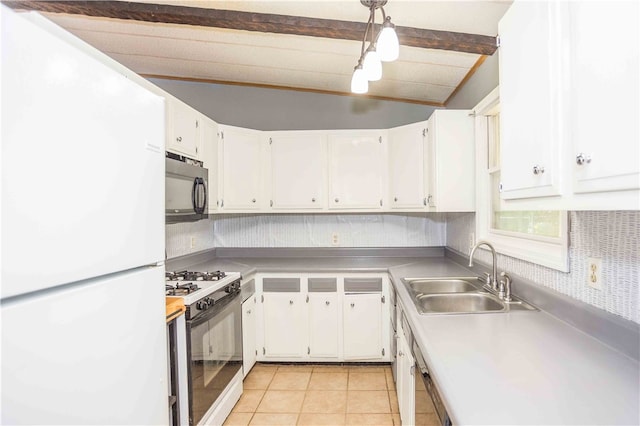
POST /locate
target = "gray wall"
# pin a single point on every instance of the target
(483, 81)
(274, 109)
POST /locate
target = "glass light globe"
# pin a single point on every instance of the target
(372, 66)
(359, 83)
(388, 45)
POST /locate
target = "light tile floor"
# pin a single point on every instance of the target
(276, 394)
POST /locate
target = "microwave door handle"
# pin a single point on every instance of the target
(204, 193)
(194, 189)
(197, 206)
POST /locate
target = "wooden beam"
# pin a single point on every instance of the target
(261, 22)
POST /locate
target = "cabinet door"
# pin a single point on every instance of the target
(184, 136)
(285, 325)
(248, 334)
(606, 152)
(209, 143)
(323, 325)
(406, 167)
(406, 385)
(362, 315)
(242, 168)
(530, 99)
(298, 164)
(355, 171)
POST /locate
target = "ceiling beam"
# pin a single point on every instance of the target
(261, 22)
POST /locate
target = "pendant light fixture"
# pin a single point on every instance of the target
(383, 47)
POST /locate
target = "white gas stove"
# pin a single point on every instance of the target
(193, 285)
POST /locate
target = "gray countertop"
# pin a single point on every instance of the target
(498, 368)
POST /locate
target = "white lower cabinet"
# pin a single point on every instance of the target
(284, 325)
(248, 334)
(319, 317)
(406, 381)
(363, 326)
(323, 325)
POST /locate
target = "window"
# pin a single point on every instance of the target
(539, 236)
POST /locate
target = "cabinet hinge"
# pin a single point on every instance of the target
(308, 350)
(256, 352)
(196, 149)
(264, 351)
(424, 132)
(380, 203)
(270, 141)
(424, 201)
(412, 370)
(383, 299)
(222, 203)
(379, 139)
(307, 298)
(196, 124)
(498, 41)
(222, 135)
(271, 203)
(382, 351)
(262, 298)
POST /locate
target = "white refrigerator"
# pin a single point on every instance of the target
(82, 231)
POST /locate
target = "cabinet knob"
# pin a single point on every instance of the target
(337, 200)
(291, 302)
(395, 199)
(582, 159)
(253, 201)
(327, 303)
(538, 170)
(313, 200)
(249, 311)
(353, 305)
(179, 138)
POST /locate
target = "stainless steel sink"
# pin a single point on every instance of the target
(458, 295)
(457, 303)
(441, 285)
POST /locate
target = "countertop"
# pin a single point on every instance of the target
(496, 368)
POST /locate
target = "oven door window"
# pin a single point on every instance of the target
(216, 355)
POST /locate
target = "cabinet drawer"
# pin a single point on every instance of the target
(281, 285)
(323, 285)
(363, 285)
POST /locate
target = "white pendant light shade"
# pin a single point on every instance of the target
(388, 46)
(359, 82)
(372, 66)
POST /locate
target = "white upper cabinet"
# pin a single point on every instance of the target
(242, 169)
(406, 167)
(570, 102)
(530, 98)
(604, 102)
(184, 129)
(356, 170)
(209, 144)
(298, 170)
(450, 161)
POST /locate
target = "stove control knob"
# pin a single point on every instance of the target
(201, 305)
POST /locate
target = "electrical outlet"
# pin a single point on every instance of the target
(335, 239)
(193, 242)
(594, 273)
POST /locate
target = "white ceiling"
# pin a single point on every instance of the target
(301, 62)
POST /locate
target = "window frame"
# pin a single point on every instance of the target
(546, 251)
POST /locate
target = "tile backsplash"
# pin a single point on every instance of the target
(318, 230)
(610, 235)
(178, 237)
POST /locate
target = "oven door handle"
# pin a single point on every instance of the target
(215, 309)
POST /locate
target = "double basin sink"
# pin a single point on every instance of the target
(458, 295)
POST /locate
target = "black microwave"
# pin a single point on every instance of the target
(186, 189)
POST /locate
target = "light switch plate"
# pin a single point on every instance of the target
(594, 273)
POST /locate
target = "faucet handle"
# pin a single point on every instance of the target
(486, 278)
(505, 286)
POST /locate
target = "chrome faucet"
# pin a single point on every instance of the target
(493, 280)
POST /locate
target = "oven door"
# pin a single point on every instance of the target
(214, 354)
